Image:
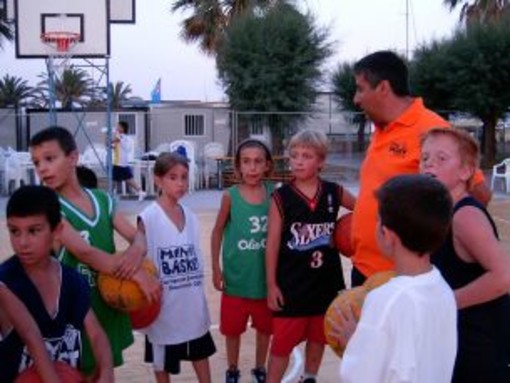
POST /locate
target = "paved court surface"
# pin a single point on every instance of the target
(205, 204)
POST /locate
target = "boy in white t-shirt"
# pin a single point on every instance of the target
(408, 327)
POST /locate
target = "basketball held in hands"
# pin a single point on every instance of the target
(342, 237)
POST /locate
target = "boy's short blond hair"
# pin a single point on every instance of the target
(314, 139)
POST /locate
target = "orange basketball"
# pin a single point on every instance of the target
(351, 297)
(145, 316)
(124, 294)
(342, 235)
(65, 372)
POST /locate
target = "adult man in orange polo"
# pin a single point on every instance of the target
(382, 91)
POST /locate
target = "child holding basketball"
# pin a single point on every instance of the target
(407, 329)
(87, 236)
(181, 331)
(472, 261)
(304, 273)
(241, 225)
(56, 296)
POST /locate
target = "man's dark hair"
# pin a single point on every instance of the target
(86, 177)
(55, 133)
(124, 126)
(33, 200)
(385, 65)
(418, 208)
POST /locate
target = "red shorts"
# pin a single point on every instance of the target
(289, 332)
(235, 312)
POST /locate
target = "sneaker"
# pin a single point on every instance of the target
(232, 376)
(141, 195)
(258, 375)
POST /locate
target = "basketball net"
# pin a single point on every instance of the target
(61, 43)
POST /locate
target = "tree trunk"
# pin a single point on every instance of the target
(489, 142)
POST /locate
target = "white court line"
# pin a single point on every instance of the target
(501, 220)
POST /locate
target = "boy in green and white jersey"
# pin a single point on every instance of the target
(87, 238)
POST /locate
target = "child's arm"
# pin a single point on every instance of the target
(20, 318)
(348, 200)
(474, 241)
(100, 348)
(96, 258)
(216, 239)
(132, 257)
(274, 295)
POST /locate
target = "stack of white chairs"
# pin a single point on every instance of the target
(191, 154)
(212, 151)
(15, 171)
(502, 171)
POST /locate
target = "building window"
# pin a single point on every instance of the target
(257, 126)
(194, 125)
(130, 118)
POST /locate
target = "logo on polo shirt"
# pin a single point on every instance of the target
(398, 149)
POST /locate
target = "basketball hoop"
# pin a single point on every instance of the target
(62, 41)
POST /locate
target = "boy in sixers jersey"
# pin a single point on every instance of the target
(304, 273)
(87, 236)
(56, 296)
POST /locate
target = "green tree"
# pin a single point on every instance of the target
(344, 89)
(73, 86)
(6, 31)
(480, 11)
(469, 73)
(271, 62)
(210, 18)
(14, 91)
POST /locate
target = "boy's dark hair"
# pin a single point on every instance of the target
(55, 133)
(418, 208)
(385, 65)
(35, 200)
(123, 126)
(86, 177)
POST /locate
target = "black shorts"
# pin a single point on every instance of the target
(193, 350)
(121, 173)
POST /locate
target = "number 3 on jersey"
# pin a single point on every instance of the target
(317, 260)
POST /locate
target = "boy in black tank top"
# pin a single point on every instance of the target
(472, 261)
(304, 273)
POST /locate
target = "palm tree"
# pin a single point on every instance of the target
(13, 91)
(119, 92)
(210, 18)
(6, 31)
(74, 85)
(482, 11)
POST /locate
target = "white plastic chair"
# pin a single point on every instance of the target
(212, 151)
(191, 155)
(501, 170)
(163, 147)
(94, 157)
(14, 171)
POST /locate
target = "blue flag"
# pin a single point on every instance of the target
(156, 93)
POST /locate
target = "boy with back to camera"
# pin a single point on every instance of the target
(57, 297)
(407, 331)
(87, 239)
(303, 270)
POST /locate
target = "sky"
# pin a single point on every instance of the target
(151, 48)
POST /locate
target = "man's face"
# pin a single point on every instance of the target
(367, 97)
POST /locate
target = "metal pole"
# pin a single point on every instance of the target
(109, 167)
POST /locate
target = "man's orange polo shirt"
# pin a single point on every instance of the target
(393, 150)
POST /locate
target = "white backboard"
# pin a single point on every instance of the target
(89, 18)
(123, 11)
